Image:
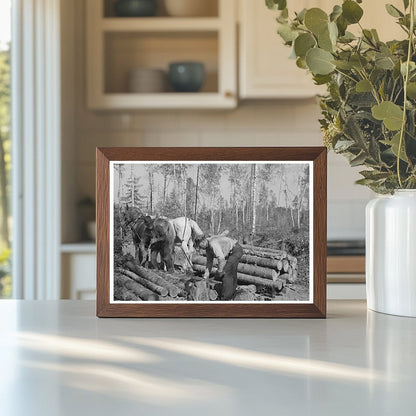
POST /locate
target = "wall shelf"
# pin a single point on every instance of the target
(160, 24)
(116, 46)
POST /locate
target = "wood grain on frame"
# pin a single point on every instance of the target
(317, 309)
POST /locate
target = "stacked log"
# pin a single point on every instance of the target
(244, 268)
(259, 264)
(127, 289)
(154, 278)
(136, 283)
(249, 280)
(285, 264)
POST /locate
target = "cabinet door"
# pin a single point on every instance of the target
(265, 68)
(78, 276)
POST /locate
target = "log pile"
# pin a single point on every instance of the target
(136, 283)
(259, 266)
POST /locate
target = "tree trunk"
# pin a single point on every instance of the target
(165, 177)
(196, 193)
(219, 222)
(254, 199)
(236, 216)
(291, 215)
(133, 191)
(151, 189)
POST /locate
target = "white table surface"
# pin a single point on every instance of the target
(57, 358)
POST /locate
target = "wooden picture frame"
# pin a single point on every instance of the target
(314, 157)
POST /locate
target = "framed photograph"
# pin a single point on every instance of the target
(211, 232)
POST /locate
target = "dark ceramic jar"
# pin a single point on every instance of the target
(135, 8)
(186, 76)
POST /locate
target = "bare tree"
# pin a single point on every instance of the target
(150, 171)
(253, 198)
(196, 192)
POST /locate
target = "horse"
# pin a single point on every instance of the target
(134, 220)
(162, 241)
(187, 231)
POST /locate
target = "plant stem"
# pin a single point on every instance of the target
(406, 80)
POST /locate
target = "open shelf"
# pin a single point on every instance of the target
(119, 45)
(210, 10)
(160, 24)
(126, 51)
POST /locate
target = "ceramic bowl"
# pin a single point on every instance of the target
(135, 8)
(186, 76)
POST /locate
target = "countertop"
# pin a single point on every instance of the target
(57, 358)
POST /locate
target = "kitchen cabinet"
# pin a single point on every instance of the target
(265, 70)
(78, 262)
(118, 45)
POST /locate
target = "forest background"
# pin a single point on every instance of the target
(263, 204)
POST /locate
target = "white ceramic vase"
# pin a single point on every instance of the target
(391, 253)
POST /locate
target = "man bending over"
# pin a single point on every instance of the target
(228, 252)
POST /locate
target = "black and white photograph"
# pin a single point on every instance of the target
(211, 232)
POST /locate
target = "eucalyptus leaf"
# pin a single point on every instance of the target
(374, 174)
(388, 112)
(347, 37)
(321, 79)
(336, 12)
(394, 145)
(343, 145)
(287, 33)
(375, 35)
(342, 25)
(301, 15)
(301, 63)
(365, 182)
(358, 61)
(374, 150)
(320, 61)
(363, 86)
(276, 4)
(325, 42)
(385, 62)
(358, 160)
(393, 11)
(345, 65)
(369, 36)
(411, 90)
(351, 11)
(316, 20)
(303, 43)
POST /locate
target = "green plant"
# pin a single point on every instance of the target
(369, 113)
